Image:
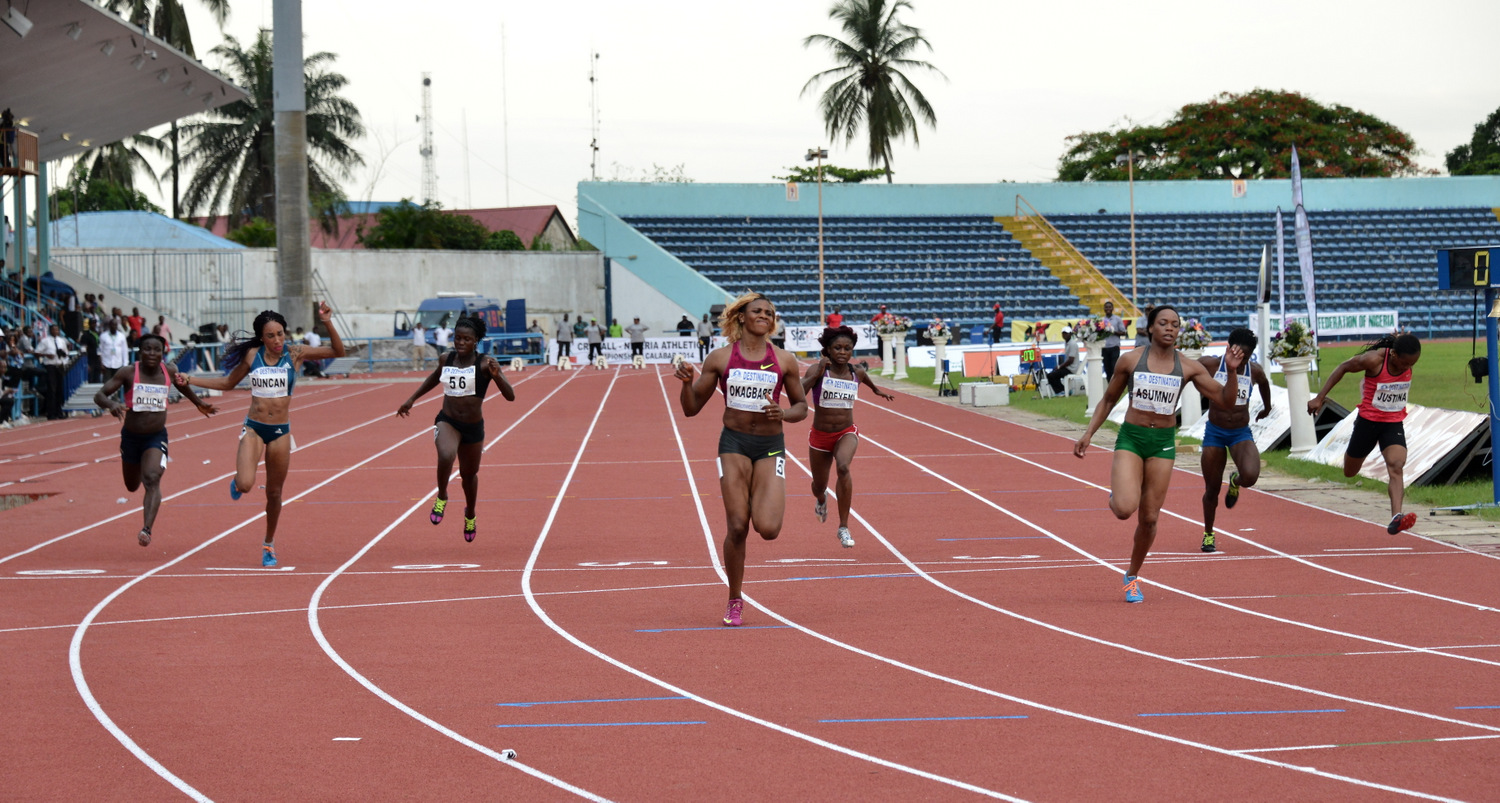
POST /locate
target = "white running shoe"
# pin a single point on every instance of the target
(821, 511)
(845, 539)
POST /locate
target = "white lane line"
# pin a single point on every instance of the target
(505, 757)
(542, 615)
(1306, 562)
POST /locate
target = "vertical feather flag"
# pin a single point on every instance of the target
(1304, 244)
(1281, 264)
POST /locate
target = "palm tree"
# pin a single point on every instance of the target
(233, 151)
(168, 22)
(119, 162)
(869, 88)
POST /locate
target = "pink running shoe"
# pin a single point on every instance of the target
(732, 613)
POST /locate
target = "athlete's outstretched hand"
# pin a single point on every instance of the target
(1264, 411)
(404, 410)
(1082, 446)
(1315, 405)
(685, 372)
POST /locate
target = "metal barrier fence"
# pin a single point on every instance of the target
(190, 286)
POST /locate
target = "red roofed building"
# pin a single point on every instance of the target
(537, 226)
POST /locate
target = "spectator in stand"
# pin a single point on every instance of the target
(835, 319)
(877, 315)
(564, 337)
(89, 340)
(223, 333)
(580, 329)
(71, 319)
(1110, 351)
(114, 351)
(1069, 364)
(705, 336)
(418, 347)
(1142, 336)
(10, 380)
(312, 341)
(136, 324)
(442, 337)
(686, 327)
(595, 334)
(998, 328)
(161, 328)
(614, 328)
(534, 345)
(778, 337)
(637, 338)
(53, 352)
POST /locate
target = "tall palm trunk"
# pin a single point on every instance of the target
(176, 214)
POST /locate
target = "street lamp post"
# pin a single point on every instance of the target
(819, 154)
(1128, 159)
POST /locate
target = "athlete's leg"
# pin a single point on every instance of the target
(153, 463)
(768, 496)
(1157, 476)
(469, 455)
(819, 463)
(445, 437)
(1247, 462)
(132, 475)
(278, 460)
(247, 458)
(843, 455)
(1125, 473)
(1395, 466)
(734, 486)
(1214, 458)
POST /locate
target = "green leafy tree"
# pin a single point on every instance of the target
(407, 225)
(831, 174)
(107, 176)
(101, 195)
(1481, 157)
(233, 151)
(167, 20)
(257, 233)
(1246, 136)
(869, 88)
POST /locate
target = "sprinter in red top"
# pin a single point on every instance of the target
(1387, 365)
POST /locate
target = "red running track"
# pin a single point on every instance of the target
(973, 644)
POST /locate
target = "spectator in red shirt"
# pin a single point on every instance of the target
(999, 324)
(877, 315)
(835, 319)
(135, 322)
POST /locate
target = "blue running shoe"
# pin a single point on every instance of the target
(268, 556)
(234, 490)
(1133, 589)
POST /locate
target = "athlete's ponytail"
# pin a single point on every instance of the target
(1403, 345)
(245, 343)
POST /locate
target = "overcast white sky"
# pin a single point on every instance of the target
(716, 87)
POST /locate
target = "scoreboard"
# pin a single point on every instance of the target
(1466, 268)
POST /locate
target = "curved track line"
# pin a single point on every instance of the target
(507, 757)
(541, 614)
(1237, 536)
(75, 646)
(708, 538)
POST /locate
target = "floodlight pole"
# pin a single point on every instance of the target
(819, 154)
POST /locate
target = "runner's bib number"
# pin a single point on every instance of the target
(1390, 397)
(270, 382)
(1241, 391)
(838, 394)
(148, 398)
(1156, 393)
(458, 381)
(749, 389)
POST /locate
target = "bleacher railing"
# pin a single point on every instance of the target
(1092, 274)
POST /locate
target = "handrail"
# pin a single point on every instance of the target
(1058, 241)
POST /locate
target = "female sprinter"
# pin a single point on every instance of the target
(752, 450)
(1381, 414)
(458, 430)
(834, 384)
(272, 363)
(1147, 445)
(143, 436)
(1227, 435)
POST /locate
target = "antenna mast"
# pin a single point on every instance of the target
(429, 167)
(594, 119)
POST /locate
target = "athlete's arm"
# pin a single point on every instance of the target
(229, 382)
(1366, 362)
(203, 407)
(493, 366)
(103, 397)
(1234, 359)
(815, 374)
(790, 371)
(699, 389)
(1112, 393)
(1258, 376)
(427, 384)
(335, 347)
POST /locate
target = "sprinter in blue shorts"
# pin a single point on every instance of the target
(1227, 434)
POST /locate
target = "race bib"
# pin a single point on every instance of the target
(1390, 397)
(148, 398)
(749, 389)
(838, 394)
(458, 381)
(1241, 391)
(270, 382)
(1156, 393)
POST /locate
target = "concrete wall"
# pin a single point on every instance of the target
(683, 286)
(623, 198)
(634, 297)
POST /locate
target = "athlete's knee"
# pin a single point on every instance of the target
(273, 495)
(768, 532)
(1395, 468)
(1249, 478)
(843, 469)
(737, 529)
(1121, 509)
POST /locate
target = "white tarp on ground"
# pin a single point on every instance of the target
(1268, 431)
(1431, 433)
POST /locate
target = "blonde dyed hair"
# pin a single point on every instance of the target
(729, 319)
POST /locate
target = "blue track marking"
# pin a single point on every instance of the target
(575, 702)
(720, 628)
(1241, 713)
(922, 719)
(596, 724)
(1474, 707)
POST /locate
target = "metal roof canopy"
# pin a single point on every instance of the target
(84, 77)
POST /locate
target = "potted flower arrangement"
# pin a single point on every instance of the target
(889, 323)
(1089, 330)
(1294, 340)
(1192, 336)
(939, 329)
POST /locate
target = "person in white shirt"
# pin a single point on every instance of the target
(113, 351)
(53, 353)
(637, 338)
(418, 347)
(441, 337)
(312, 367)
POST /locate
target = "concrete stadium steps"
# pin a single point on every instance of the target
(1067, 263)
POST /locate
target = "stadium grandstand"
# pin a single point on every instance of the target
(1047, 251)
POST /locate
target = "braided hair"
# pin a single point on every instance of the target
(245, 343)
